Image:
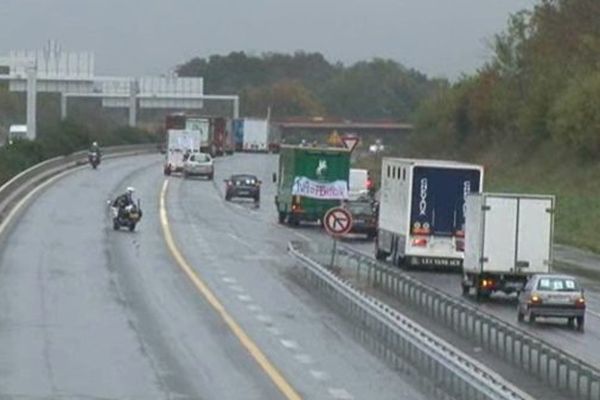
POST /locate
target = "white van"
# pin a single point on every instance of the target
(359, 183)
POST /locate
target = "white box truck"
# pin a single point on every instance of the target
(508, 238)
(202, 126)
(180, 142)
(421, 211)
(255, 134)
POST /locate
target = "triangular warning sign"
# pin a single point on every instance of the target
(350, 141)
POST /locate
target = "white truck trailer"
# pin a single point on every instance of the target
(508, 238)
(180, 142)
(421, 211)
(255, 135)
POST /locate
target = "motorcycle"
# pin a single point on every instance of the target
(94, 159)
(128, 217)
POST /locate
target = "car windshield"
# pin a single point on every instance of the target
(558, 284)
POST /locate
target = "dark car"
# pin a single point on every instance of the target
(243, 185)
(364, 216)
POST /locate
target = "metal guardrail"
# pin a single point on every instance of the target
(551, 365)
(22, 183)
(452, 372)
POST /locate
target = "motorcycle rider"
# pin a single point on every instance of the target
(124, 200)
(95, 149)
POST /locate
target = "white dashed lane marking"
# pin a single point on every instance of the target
(244, 297)
(236, 288)
(227, 279)
(289, 344)
(340, 394)
(318, 375)
(304, 358)
(274, 331)
(265, 319)
(254, 308)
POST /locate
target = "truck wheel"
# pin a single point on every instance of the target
(132, 227)
(185, 175)
(380, 255)
(465, 289)
(116, 224)
(292, 220)
(520, 315)
(227, 197)
(371, 235)
(281, 216)
(210, 177)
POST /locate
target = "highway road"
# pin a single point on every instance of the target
(553, 331)
(87, 312)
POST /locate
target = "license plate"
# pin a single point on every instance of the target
(359, 221)
(443, 262)
(243, 192)
(134, 215)
(559, 299)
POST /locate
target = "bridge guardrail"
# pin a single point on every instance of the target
(451, 371)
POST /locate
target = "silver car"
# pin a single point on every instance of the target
(199, 164)
(553, 296)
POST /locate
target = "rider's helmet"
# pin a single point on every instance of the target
(130, 190)
(95, 144)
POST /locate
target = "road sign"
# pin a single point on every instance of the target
(350, 141)
(337, 221)
(334, 139)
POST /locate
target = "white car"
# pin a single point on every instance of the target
(199, 164)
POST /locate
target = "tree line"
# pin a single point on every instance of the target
(541, 85)
(306, 84)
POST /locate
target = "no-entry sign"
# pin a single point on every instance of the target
(338, 221)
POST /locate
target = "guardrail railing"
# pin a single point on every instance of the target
(452, 372)
(551, 365)
(20, 184)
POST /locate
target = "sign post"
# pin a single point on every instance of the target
(337, 222)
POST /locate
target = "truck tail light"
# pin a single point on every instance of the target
(296, 204)
(460, 245)
(487, 283)
(419, 242)
(580, 302)
(459, 234)
(369, 184)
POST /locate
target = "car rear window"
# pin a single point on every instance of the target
(199, 158)
(360, 208)
(244, 180)
(558, 284)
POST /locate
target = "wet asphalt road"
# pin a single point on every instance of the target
(86, 312)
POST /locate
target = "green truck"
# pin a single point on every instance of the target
(310, 181)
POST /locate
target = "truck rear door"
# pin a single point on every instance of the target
(438, 198)
(499, 233)
(535, 234)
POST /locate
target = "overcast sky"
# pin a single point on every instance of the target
(438, 37)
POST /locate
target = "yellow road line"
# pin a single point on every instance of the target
(286, 389)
